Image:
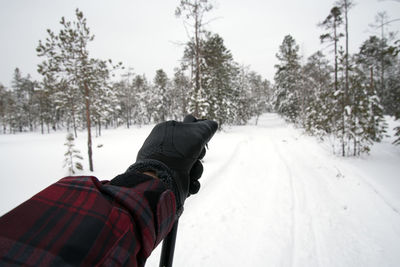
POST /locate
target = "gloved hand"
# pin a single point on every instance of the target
(173, 151)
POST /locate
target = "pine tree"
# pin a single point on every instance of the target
(9, 109)
(134, 96)
(194, 11)
(44, 106)
(104, 99)
(342, 114)
(126, 96)
(345, 6)
(320, 109)
(3, 107)
(377, 55)
(332, 23)
(161, 97)
(259, 95)
(180, 94)
(288, 80)
(219, 71)
(72, 156)
(78, 76)
(23, 90)
(243, 104)
(143, 94)
(393, 83)
(362, 119)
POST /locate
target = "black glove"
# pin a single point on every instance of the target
(173, 151)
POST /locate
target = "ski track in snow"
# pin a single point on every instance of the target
(270, 196)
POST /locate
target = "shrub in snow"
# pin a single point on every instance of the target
(72, 156)
(397, 134)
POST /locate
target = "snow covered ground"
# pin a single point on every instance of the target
(270, 195)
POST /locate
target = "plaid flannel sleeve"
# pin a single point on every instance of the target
(80, 221)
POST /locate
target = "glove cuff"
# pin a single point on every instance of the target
(163, 173)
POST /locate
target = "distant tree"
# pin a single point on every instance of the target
(393, 83)
(219, 71)
(135, 97)
(193, 12)
(23, 90)
(320, 109)
(366, 122)
(383, 49)
(45, 106)
(126, 95)
(332, 23)
(143, 97)
(3, 107)
(72, 156)
(288, 79)
(244, 103)
(260, 94)
(104, 98)
(180, 94)
(197, 101)
(9, 111)
(161, 98)
(377, 56)
(345, 6)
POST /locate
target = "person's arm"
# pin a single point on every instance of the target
(81, 221)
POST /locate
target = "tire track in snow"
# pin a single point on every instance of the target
(303, 240)
(292, 252)
(306, 235)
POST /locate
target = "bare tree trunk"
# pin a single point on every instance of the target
(73, 120)
(347, 46)
(346, 93)
(336, 58)
(99, 124)
(88, 125)
(42, 126)
(197, 75)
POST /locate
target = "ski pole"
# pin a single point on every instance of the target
(168, 247)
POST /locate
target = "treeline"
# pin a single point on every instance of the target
(133, 100)
(76, 89)
(49, 105)
(345, 98)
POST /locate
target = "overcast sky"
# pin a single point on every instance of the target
(145, 34)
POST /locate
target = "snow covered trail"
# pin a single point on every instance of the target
(273, 197)
(270, 195)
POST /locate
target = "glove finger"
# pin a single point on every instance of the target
(195, 174)
(196, 171)
(194, 187)
(189, 118)
(207, 129)
(202, 153)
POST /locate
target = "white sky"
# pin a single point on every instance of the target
(144, 34)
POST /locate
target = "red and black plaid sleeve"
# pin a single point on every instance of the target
(80, 221)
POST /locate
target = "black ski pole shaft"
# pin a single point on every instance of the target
(168, 247)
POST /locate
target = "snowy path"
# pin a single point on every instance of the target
(270, 196)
